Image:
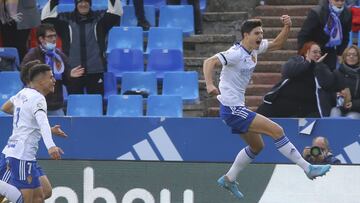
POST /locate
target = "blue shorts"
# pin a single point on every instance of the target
(24, 174)
(238, 118)
(4, 169)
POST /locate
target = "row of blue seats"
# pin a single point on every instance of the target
(159, 61)
(132, 38)
(125, 105)
(91, 105)
(102, 4)
(183, 84)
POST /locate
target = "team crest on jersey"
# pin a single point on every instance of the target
(29, 179)
(40, 105)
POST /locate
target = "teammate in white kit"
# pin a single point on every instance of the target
(30, 123)
(238, 64)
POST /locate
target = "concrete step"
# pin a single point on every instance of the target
(230, 5)
(195, 63)
(278, 10)
(265, 78)
(274, 21)
(272, 32)
(208, 45)
(291, 2)
(223, 22)
(279, 55)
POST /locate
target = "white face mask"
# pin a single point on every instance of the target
(50, 46)
(336, 9)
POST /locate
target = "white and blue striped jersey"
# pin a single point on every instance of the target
(238, 64)
(23, 143)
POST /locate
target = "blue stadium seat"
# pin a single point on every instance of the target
(41, 3)
(11, 52)
(129, 17)
(2, 101)
(110, 84)
(125, 106)
(66, 2)
(164, 38)
(178, 16)
(63, 8)
(164, 105)
(125, 60)
(161, 60)
(139, 82)
(84, 105)
(125, 38)
(156, 3)
(99, 5)
(202, 4)
(184, 84)
(10, 84)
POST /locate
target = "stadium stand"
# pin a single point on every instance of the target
(125, 60)
(178, 16)
(161, 60)
(164, 38)
(125, 106)
(125, 38)
(11, 52)
(184, 84)
(143, 83)
(164, 106)
(86, 105)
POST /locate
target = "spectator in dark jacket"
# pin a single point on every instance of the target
(327, 24)
(350, 71)
(83, 33)
(47, 53)
(296, 94)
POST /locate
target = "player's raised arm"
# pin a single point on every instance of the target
(281, 38)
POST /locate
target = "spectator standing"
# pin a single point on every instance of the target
(327, 24)
(350, 71)
(140, 15)
(295, 94)
(197, 13)
(17, 18)
(47, 53)
(83, 33)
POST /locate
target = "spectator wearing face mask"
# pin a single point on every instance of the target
(83, 33)
(327, 24)
(47, 53)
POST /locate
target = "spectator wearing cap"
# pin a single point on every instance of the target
(83, 33)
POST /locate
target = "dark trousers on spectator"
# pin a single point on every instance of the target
(197, 13)
(12, 37)
(93, 83)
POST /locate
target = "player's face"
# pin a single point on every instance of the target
(255, 37)
(314, 53)
(351, 57)
(48, 82)
(83, 7)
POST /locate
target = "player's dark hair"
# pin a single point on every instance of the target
(249, 25)
(37, 70)
(24, 74)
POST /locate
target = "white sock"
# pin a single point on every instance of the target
(10, 192)
(244, 158)
(288, 150)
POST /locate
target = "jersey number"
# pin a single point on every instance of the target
(17, 113)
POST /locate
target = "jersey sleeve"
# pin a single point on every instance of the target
(39, 104)
(230, 56)
(263, 46)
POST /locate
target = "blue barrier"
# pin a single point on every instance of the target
(186, 139)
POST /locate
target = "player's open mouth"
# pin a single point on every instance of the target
(258, 42)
